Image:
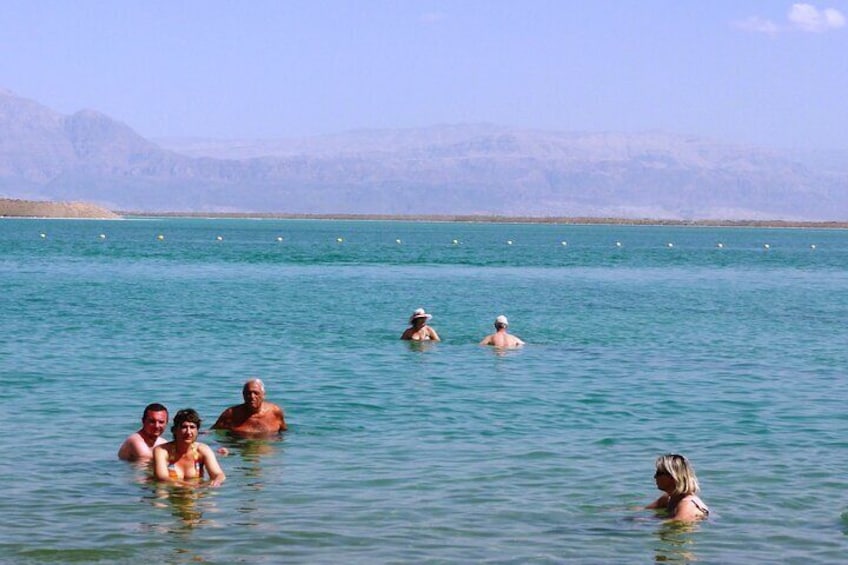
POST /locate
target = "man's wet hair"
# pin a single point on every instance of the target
(155, 407)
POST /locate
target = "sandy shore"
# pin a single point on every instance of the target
(11, 208)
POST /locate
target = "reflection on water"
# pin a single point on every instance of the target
(245, 454)
(421, 346)
(186, 503)
(676, 542)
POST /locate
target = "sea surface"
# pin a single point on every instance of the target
(728, 345)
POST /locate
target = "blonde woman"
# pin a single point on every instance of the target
(676, 478)
(184, 460)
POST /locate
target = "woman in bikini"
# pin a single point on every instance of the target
(676, 478)
(419, 330)
(184, 460)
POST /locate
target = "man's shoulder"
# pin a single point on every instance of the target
(133, 447)
(272, 408)
(135, 442)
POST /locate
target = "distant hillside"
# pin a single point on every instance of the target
(452, 170)
(41, 209)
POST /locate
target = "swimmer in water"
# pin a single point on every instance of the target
(418, 329)
(139, 446)
(501, 338)
(255, 417)
(676, 478)
(185, 460)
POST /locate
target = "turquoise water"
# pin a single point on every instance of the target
(449, 452)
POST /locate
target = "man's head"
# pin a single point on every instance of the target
(253, 393)
(501, 322)
(154, 420)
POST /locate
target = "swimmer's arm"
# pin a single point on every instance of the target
(661, 502)
(216, 474)
(281, 418)
(486, 340)
(224, 421)
(160, 464)
(433, 335)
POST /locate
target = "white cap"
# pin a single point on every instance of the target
(502, 320)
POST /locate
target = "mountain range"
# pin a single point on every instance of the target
(452, 169)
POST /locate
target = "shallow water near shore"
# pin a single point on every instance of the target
(641, 340)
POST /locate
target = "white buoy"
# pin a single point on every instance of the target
(618, 244)
(720, 245)
(279, 239)
(160, 237)
(455, 242)
(670, 245)
(339, 239)
(43, 235)
(813, 246)
(766, 246)
(102, 236)
(398, 241)
(563, 243)
(219, 238)
(509, 242)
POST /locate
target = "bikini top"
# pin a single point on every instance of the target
(193, 452)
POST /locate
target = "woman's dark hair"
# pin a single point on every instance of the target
(186, 415)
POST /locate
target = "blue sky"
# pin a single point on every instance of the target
(761, 72)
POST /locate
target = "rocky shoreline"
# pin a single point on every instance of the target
(498, 219)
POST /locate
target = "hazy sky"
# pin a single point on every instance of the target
(765, 72)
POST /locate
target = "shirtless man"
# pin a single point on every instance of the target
(139, 446)
(501, 338)
(254, 417)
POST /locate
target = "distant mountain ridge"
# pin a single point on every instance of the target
(457, 169)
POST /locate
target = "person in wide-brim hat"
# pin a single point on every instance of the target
(418, 329)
